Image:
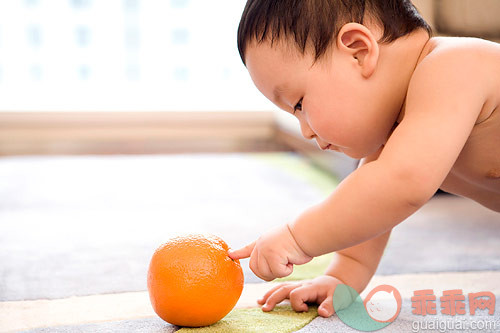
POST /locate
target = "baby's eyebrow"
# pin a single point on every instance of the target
(278, 90)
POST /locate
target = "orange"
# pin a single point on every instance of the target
(192, 281)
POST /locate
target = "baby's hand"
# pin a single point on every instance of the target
(273, 254)
(318, 290)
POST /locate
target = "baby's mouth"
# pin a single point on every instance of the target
(334, 148)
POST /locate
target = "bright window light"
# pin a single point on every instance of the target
(116, 55)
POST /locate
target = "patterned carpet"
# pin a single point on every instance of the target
(77, 233)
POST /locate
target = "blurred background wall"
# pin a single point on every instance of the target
(126, 76)
(155, 76)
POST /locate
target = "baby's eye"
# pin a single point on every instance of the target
(298, 106)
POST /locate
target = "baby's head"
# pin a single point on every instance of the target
(320, 60)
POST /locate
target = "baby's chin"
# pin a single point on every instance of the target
(354, 153)
(359, 153)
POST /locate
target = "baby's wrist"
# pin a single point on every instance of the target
(352, 272)
(295, 234)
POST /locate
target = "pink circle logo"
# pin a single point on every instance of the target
(383, 303)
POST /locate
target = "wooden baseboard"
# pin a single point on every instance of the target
(42, 133)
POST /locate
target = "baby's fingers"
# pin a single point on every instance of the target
(271, 291)
(242, 253)
(277, 296)
(299, 297)
(326, 307)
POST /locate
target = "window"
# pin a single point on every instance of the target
(119, 55)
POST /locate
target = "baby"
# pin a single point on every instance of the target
(365, 78)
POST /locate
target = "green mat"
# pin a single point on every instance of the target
(282, 319)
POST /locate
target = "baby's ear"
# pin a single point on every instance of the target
(359, 42)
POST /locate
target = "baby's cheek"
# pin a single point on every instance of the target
(324, 128)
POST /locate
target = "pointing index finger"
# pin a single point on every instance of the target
(242, 253)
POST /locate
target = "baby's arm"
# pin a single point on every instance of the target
(353, 266)
(443, 103)
(356, 264)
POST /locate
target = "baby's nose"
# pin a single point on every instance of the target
(307, 132)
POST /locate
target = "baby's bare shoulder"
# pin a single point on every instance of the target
(461, 47)
(452, 69)
(471, 57)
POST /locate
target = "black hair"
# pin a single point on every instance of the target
(319, 21)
